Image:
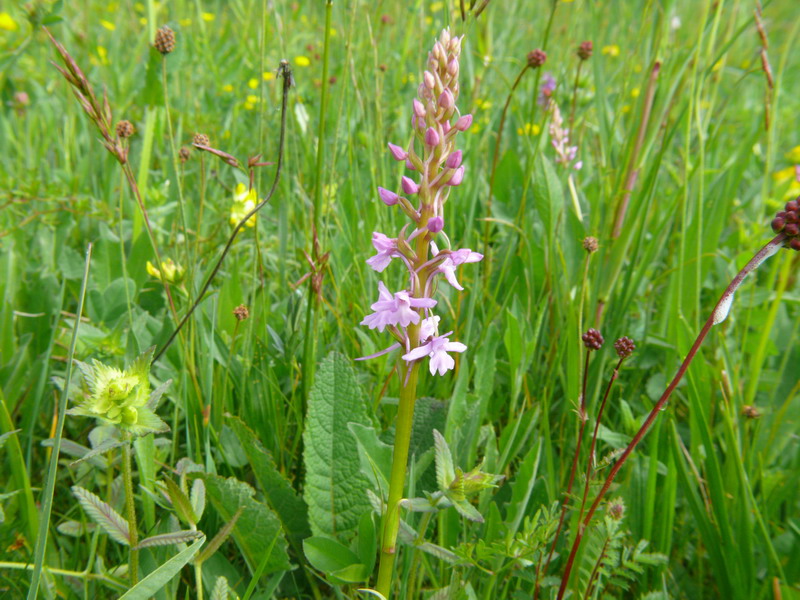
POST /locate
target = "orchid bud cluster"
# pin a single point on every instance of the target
(559, 137)
(437, 168)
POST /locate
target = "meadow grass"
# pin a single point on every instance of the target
(713, 488)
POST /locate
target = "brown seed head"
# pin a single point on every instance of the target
(592, 339)
(787, 221)
(536, 58)
(590, 244)
(624, 347)
(184, 154)
(751, 412)
(165, 40)
(201, 139)
(585, 50)
(241, 312)
(125, 129)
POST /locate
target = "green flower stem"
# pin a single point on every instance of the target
(397, 479)
(130, 513)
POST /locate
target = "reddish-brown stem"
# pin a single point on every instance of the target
(573, 470)
(717, 316)
(633, 171)
(594, 437)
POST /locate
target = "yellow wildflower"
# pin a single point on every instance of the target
(249, 106)
(108, 25)
(612, 50)
(208, 17)
(143, 21)
(529, 129)
(437, 6)
(428, 20)
(301, 61)
(244, 200)
(253, 83)
(7, 22)
(185, 22)
(268, 75)
(794, 154)
(784, 175)
(626, 109)
(253, 99)
(635, 92)
(138, 7)
(227, 88)
(173, 272)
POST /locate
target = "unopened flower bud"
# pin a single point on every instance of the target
(457, 177)
(410, 165)
(184, 153)
(429, 80)
(454, 160)
(419, 109)
(435, 224)
(751, 412)
(464, 122)
(794, 244)
(592, 339)
(125, 129)
(431, 137)
(409, 185)
(590, 244)
(585, 50)
(778, 223)
(791, 229)
(624, 347)
(454, 47)
(439, 52)
(388, 197)
(536, 58)
(201, 139)
(616, 509)
(452, 67)
(397, 152)
(446, 100)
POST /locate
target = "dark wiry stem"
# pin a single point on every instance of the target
(717, 316)
(287, 79)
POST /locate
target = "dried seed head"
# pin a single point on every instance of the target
(585, 50)
(616, 509)
(590, 244)
(125, 129)
(184, 154)
(536, 58)
(165, 40)
(241, 312)
(592, 339)
(201, 139)
(751, 412)
(624, 347)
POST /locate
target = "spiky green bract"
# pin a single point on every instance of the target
(122, 398)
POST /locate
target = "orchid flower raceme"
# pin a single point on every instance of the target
(435, 168)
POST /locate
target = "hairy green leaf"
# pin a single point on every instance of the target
(163, 574)
(102, 514)
(335, 485)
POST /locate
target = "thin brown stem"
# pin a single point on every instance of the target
(287, 79)
(719, 314)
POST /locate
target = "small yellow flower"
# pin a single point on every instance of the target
(635, 92)
(334, 33)
(253, 99)
(7, 22)
(173, 272)
(301, 61)
(626, 109)
(529, 129)
(138, 7)
(108, 25)
(244, 200)
(268, 75)
(253, 83)
(185, 22)
(208, 17)
(437, 6)
(142, 21)
(784, 175)
(428, 20)
(794, 154)
(612, 50)
(227, 88)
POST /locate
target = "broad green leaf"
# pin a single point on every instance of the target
(335, 487)
(547, 193)
(102, 514)
(278, 492)
(328, 555)
(163, 574)
(258, 529)
(375, 456)
(180, 502)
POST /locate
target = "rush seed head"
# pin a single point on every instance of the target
(585, 50)
(624, 347)
(536, 58)
(592, 339)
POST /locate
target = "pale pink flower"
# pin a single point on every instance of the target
(386, 248)
(437, 350)
(453, 260)
(397, 309)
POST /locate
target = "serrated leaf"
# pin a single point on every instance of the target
(445, 471)
(278, 491)
(167, 539)
(219, 539)
(105, 446)
(465, 509)
(221, 589)
(156, 580)
(101, 513)
(334, 489)
(74, 528)
(181, 504)
(258, 531)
